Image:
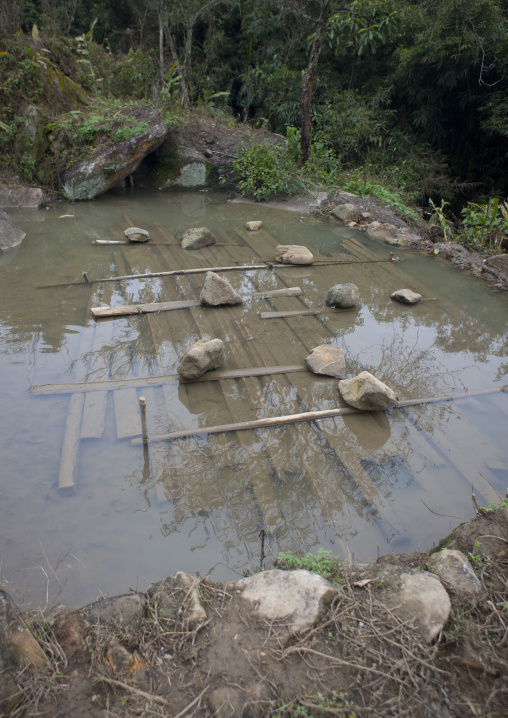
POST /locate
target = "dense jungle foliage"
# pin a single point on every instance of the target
(404, 97)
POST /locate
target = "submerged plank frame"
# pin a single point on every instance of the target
(306, 416)
(127, 309)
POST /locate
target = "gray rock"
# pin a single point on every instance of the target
(104, 171)
(30, 197)
(127, 610)
(406, 296)
(10, 234)
(217, 291)
(197, 237)
(389, 234)
(413, 595)
(135, 234)
(457, 574)
(328, 360)
(367, 393)
(293, 254)
(347, 213)
(297, 597)
(202, 356)
(343, 295)
(254, 225)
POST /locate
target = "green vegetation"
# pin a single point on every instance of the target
(324, 563)
(405, 100)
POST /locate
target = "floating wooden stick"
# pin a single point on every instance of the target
(184, 304)
(306, 416)
(112, 384)
(173, 273)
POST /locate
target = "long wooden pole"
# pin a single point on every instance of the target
(306, 416)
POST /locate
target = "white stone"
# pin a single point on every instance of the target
(423, 598)
(299, 597)
(204, 355)
(367, 393)
(456, 573)
(197, 237)
(406, 296)
(343, 295)
(328, 360)
(253, 226)
(293, 254)
(135, 234)
(217, 291)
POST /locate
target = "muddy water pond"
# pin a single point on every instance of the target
(355, 485)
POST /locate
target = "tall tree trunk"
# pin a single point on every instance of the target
(308, 81)
(161, 50)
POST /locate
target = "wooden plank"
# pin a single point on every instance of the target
(128, 422)
(94, 415)
(70, 448)
(184, 304)
(94, 410)
(112, 384)
(296, 313)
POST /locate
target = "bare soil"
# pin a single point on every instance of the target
(359, 660)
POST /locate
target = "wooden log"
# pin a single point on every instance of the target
(112, 384)
(306, 416)
(128, 423)
(184, 304)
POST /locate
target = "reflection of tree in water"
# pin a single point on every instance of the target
(410, 369)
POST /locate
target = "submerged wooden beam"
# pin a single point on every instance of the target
(306, 416)
(296, 313)
(112, 384)
(183, 304)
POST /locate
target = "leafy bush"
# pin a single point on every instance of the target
(486, 224)
(267, 170)
(354, 183)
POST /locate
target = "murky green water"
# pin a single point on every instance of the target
(198, 505)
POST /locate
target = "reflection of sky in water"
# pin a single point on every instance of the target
(199, 503)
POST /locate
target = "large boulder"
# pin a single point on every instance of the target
(328, 360)
(367, 393)
(297, 598)
(347, 213)
(343, 295)
(406, 296)
(202, 356)
(197, 238)
(109, 167)
(10, 234)
(217, 291)
(293, 254)
(30, 197)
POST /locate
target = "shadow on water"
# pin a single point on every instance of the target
(355, 484)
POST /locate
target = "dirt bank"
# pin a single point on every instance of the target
(191, 647)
